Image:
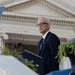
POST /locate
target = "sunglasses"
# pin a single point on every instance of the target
(42, 23)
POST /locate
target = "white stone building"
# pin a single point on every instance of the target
(19, 20)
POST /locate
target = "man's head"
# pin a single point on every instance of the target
(43, 25)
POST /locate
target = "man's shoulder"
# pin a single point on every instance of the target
(53, 34)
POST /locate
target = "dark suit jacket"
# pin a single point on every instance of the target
(49, 51)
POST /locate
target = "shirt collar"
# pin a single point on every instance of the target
(44, 36)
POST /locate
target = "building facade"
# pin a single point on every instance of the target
(19, 21)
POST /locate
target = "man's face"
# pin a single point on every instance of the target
(43, 25)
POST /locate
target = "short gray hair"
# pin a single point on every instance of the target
(47, 20)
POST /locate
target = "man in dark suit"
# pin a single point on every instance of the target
(48, 46)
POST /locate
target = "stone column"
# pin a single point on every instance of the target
(2, 36)
(1, 43)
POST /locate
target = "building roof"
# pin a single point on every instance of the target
(24, 13)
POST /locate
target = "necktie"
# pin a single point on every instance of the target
(42, 43)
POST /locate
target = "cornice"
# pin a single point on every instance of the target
(43, 2)
(19, 18)
(56, 8)
(54, 21)
(16, 6)
(63, 5)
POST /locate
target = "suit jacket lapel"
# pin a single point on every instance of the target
(49, 33)
(39, 46)
(46, 39)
